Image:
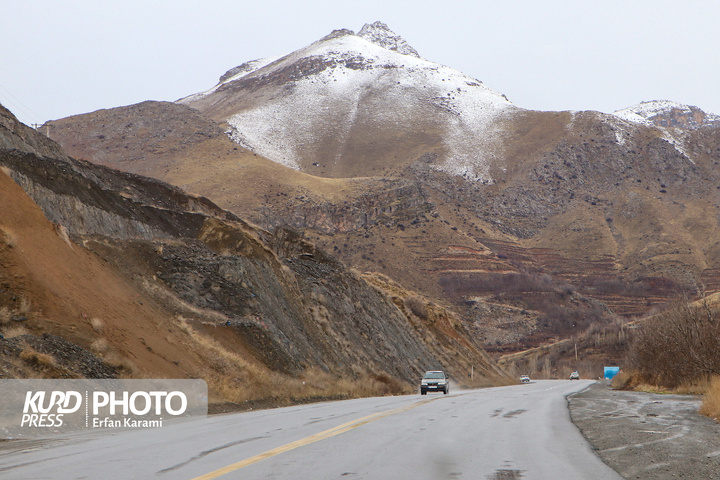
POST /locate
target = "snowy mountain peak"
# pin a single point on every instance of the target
(665, 113)
(350, 103)
(380, 34)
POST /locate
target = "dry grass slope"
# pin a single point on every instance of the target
(711, 400)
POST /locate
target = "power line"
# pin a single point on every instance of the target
(27, 111)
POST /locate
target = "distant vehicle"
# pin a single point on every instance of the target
(575, 375)
(524, 379)
(435, 381)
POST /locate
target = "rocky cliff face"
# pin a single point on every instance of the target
(272, 300)
(387, 203)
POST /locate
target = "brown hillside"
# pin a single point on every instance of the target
(53, 286)
(157, 283)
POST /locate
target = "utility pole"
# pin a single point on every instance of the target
(37, 126)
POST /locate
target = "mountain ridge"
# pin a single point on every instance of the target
(580, 216)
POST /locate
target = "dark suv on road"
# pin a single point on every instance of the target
(435, 381)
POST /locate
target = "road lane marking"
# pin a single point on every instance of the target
(311, 439)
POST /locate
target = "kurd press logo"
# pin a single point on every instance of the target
(32, 408)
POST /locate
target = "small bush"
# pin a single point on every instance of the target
(417, 306)
(13, 332)
(99, 346)
(679, 346)
(97, 325)
(711, 400)
(24, 307)
(5, 314)
(9, 237)
(37, 359)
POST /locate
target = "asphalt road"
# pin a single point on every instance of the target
(505, 433)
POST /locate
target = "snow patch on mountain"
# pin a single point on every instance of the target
(645, 113)
(347, 86)
(650, 109)
(629, 120)
(283, 126)
(631, 116)
(231, 75)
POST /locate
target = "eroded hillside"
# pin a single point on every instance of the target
(140, 279)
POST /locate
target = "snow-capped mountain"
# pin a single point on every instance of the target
(335, 107)
(625, 212)
(664, 113)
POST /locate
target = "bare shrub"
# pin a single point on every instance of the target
(123, 365)
(417, 306)
(13, 332)
(97, 325)
(5, 314)
(37, 359)
(99, 346)
(622, 381)
(678, 346)
(9, 237)
(387, 385)
(711, 400)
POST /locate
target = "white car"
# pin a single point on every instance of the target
(575, 375)
(524, 379)
(435, 381)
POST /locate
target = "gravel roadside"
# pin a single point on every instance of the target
(648, 436)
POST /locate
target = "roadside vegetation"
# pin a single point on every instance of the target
(239, 383)
(711, 401)
(678, 350)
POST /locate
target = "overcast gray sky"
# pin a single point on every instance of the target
(62, 57)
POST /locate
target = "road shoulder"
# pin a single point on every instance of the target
(648, 436)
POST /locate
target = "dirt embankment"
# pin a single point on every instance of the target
(648, 436)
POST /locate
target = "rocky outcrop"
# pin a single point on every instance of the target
(380, 34)
(89, 199)
(17, 136)
(669, 115)
(388, 204)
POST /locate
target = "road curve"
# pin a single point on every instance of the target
(504, 433)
